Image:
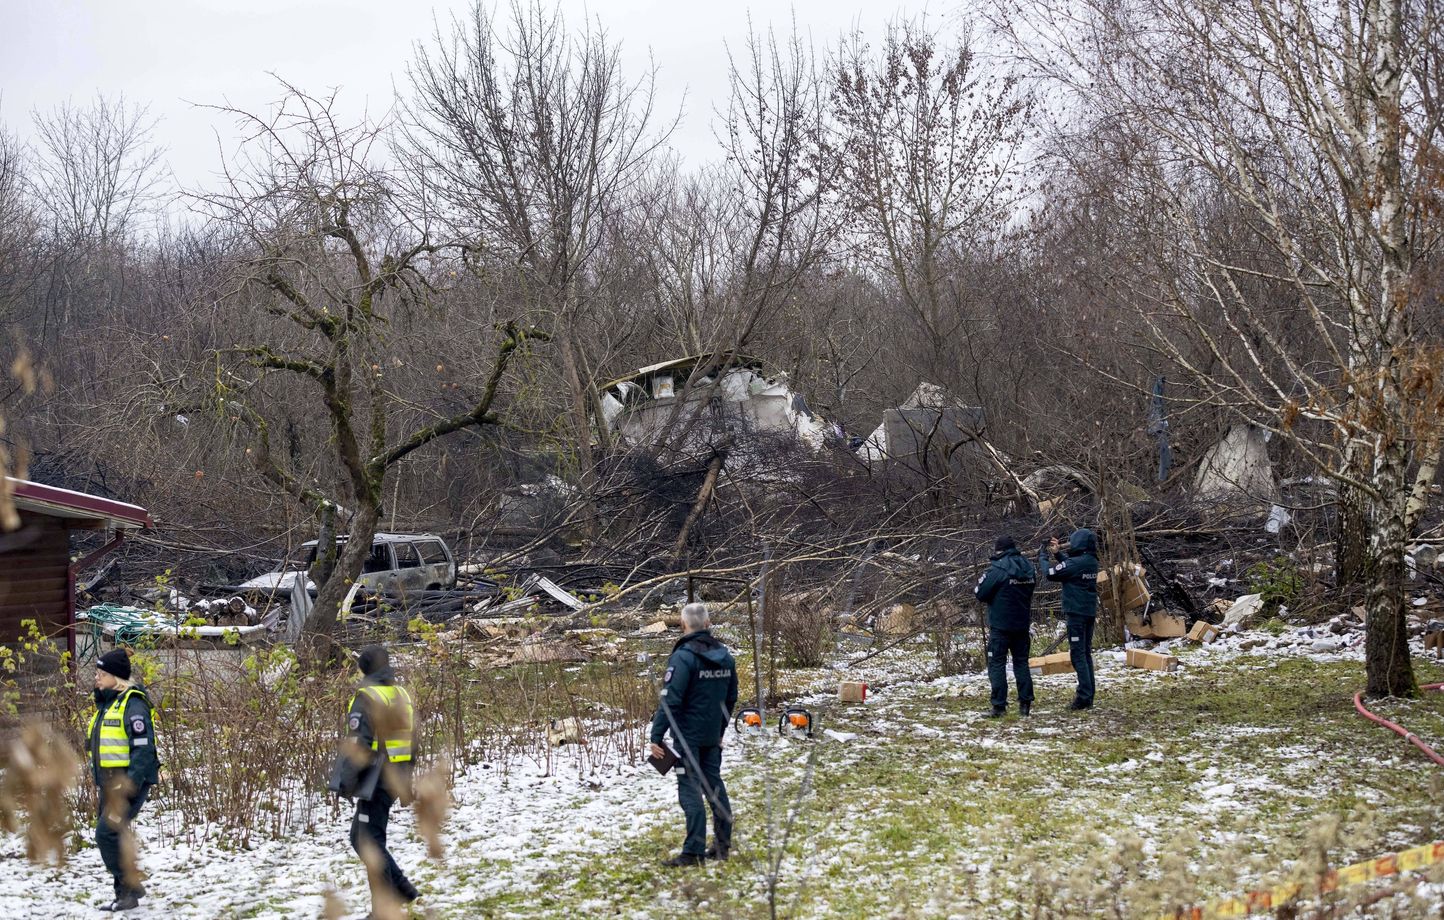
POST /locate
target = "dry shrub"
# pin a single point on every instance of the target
(248, 751)
(943, 622)
(806, 631)
(333, 906)
(247, 743)
(433, 804)
(42, 771)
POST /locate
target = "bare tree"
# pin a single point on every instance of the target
(777, 173)
(753, 232)
(929, 144)
(535, 142)
(18, 226)
(97, 171)
(329, 270)
(1271, 190)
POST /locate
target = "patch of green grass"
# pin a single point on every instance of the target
(1000, 818)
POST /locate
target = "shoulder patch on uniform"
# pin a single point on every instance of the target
(138, 725)
(668, 676)
(355, 721)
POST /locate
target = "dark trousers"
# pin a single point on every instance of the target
(108, 833)
(369, 825)
(1080, 653)
(694, 796)
(1001, 644)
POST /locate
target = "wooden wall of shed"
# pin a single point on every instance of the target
(34, 576)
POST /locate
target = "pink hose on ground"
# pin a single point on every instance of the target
(1399, 729)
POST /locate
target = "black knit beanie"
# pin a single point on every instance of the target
(1003, 544)
(372, 659)
(115, 662)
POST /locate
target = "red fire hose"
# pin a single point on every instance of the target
(1399, 729)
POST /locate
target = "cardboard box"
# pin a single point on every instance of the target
(1434, 641)
(852, 691)
(1161, 624)
(1152, 661)
(897, 620)
(1133, 593)
(1203, 631)
(1059, 663)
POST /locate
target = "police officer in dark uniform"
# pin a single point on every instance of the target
(699, 691)
(121, 741)
(1007, 588)
(375, 767)
(1077, 570)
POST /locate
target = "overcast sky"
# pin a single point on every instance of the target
(173, 54)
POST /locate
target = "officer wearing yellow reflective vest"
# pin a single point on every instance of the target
(374, 767)
(120, 740)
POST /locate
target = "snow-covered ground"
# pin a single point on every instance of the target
(503, 834)
(919, 805)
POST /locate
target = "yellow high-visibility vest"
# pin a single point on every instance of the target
(114, 741)
(398, 742)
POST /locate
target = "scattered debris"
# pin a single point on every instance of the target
(898, 620)
(1434, 638)
(654, 629)
(643, 406)
(929, 422)
(1242, 613)
(1203, 632)
(1132, 586)
(1426, 556)
(1237, 470)
(1058, 483)
(1152, 661)
(1155, 624)
(541, 651)
(852, 691)
(1057, 663)
(565, 731)
(558, 593)
(1278, 519)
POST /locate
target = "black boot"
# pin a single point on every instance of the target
(720, 854)
(684, 859)
(997, 712)
(1079, 704)
(127, 901)
(407, 892)
(1024, 709)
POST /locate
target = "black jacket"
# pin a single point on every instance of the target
(1007, 588)
(699, 690)
(1077, 570)
(360, 771)
(144, 769)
